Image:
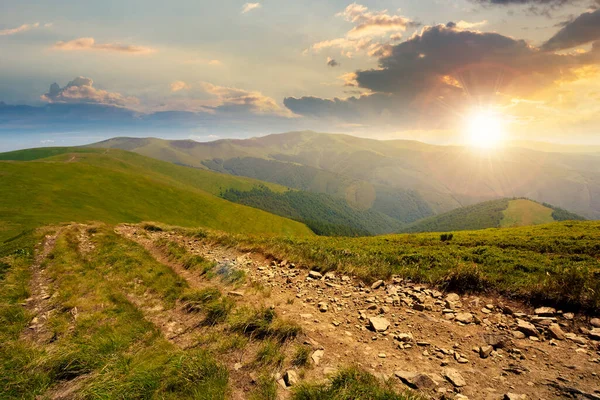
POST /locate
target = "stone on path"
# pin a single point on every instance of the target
(527, 328)
(377, 284)
(595, 334)
(379, 324)
(315, 275)
(317, 355)
(556, 332)
(465, 318)
(416, 380)
(595, 322)
(454, 377)
(545, 312)
(290, 377)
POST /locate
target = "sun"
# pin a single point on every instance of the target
(485, 129)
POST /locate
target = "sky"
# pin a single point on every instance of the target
(74, 72)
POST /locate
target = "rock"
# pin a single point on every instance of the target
(527, 328)
(377, 284)
(315, 275)
(317, 355)
(497, 341)
(595, 334)
(454, 377)
(452, 298)
(404, 337)
(518, 335)
(323, 307)
(568, 316)
(576, 339)
(416, 380)
(545, 312)
(595, 322)
(290, 377)
(465, 318)
(236, 294)
(379, 324)
(512, 396)
(556, 332)
(485, 351)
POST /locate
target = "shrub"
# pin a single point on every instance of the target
(446, 237)
(270, 354)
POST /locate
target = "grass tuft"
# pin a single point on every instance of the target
(351, 384)
(263, 323)
(301, 356)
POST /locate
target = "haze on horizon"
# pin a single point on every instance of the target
(478, 72)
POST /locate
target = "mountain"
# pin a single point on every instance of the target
(68, 184)
(406, 180)
(494, 214)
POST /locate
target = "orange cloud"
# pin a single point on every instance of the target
(179, 85)
(89, 44)
(19, 29)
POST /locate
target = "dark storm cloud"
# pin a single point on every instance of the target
(331, 62)
(582, 30)
(444, 66)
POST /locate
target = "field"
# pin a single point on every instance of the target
(523, 212)
(123, 187)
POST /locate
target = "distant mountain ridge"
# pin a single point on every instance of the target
(383, 174)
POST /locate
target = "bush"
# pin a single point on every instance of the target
(446, 237)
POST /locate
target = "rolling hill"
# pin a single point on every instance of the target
(493, 214)
(437, 179)
(63, 185)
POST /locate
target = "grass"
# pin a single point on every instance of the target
(178, 253)
(351, 384)
(123, 187)
(522, 212)
(269, 354)
(111, 346)
(301, 356)
(556, 263)
(263, 323)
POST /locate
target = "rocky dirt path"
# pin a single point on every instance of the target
(442, 344)
(39, 303)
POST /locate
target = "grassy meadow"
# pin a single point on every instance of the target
(122, 187)
(555, 263)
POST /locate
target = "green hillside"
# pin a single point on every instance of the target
(324, 214)
(117, 186)
(404, 206)
(493, 214)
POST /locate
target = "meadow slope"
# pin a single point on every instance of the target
(120, 187)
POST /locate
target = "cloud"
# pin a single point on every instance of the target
(233, 100)
(441, 72)
(582, 30)
(470, 25)
(179, 85)
(89, 44)
(250, 6)
(81, 90)
(368, 23)
(332, 62)
(372, 32)
(19, 29)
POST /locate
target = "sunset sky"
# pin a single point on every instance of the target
(383, 69)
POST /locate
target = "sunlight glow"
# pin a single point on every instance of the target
(485, 129)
